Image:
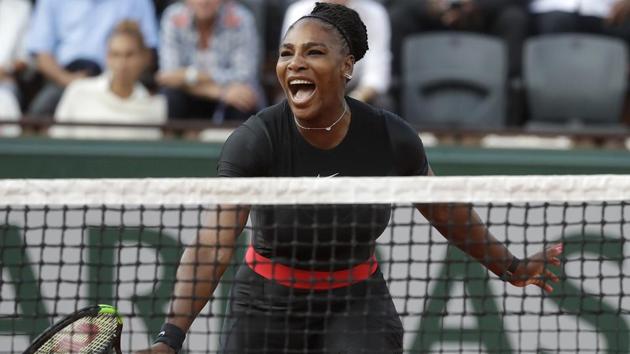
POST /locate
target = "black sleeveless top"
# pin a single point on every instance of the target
(322, 237)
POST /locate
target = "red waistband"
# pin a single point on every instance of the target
(308, 279)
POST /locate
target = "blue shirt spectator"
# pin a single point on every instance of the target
(69, 40)
(72, 29)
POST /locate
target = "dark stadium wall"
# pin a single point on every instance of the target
(44, 158)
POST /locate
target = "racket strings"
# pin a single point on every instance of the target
(87, 335)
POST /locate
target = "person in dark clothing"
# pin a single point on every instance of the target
(603, 17)
(309, 287)
(507, 19)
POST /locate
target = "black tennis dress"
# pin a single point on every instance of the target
(266, 317)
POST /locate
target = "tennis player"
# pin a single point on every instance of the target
(310, 282)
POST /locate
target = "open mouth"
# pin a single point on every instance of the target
(301, 90)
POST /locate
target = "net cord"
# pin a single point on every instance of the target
(308, 190)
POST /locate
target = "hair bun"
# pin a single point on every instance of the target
(348, 22)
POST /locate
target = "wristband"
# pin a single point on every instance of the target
(509, 273)
(171, 335)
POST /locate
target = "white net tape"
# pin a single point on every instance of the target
(338, 190)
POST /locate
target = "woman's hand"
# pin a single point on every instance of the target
(157, 348)
(534, 270)
(70, 77)
(240, 96)
(172, 79)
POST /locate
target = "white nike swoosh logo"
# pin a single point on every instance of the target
(331, 176)
(161, 333)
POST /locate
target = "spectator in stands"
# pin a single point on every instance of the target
(372, 75)
(14, 16)
(161, 5)
(210, 60)
(610, 17)
(69, 40)
(507, 19)
(115, 96)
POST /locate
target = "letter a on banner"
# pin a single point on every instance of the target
(489, 333)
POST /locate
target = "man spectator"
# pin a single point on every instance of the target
(68, 39)
(609, 17)
(14, 16)
(210, 57)
(372, 76)
(507, 19)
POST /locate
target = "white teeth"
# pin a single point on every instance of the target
(300, 82)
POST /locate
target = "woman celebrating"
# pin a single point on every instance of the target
(318, 289)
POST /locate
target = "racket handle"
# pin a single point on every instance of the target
(117, 341)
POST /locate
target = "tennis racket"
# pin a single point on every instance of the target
(94, 330)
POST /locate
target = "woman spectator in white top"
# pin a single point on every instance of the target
(14, 18)
(372, 76)
(115, 97)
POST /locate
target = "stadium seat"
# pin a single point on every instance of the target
(575, 80)
(454, 80)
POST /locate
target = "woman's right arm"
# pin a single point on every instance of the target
(201, 267)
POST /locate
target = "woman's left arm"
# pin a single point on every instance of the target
(461, 225)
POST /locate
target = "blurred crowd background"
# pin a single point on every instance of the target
(440, 64)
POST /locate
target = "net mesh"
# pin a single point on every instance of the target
(68, 244)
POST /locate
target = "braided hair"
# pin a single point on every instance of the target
(346, 22)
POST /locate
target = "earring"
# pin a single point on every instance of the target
(347, 76)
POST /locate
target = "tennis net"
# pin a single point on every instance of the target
(66, 244)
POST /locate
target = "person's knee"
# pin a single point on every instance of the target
(555, 22)
(176, 101)
(172, 94)
(45, 102)
(513, 19)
